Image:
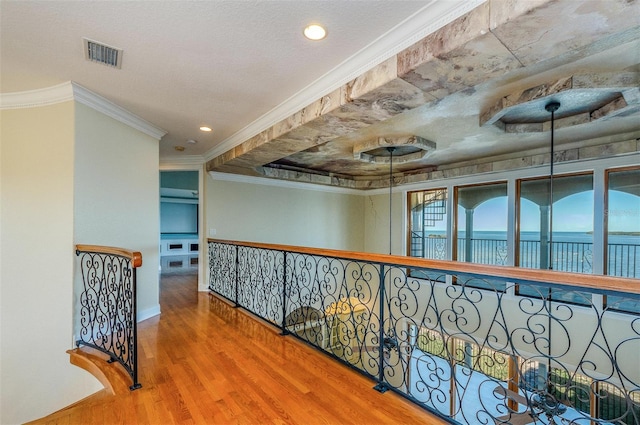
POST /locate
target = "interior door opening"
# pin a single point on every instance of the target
(179, 222)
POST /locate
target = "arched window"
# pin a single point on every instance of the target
(566, 244)
(481, 224)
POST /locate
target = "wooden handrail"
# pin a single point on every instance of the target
(588, 281)
(134, 256)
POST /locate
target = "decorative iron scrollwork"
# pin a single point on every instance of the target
(476, 349)
(107, 312)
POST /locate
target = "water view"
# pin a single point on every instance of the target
(571, 251)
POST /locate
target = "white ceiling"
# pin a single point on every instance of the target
(220, 63)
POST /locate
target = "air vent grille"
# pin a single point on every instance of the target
(101, 53)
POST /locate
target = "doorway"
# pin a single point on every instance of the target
(179, 222)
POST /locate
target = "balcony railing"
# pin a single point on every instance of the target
(470, 355)
(577, 257)
(107, 304)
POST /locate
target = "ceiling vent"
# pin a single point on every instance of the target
(101, 53)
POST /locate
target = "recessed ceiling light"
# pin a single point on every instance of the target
(205, 128)
(191, 141)
(179, 148)
(315, 32)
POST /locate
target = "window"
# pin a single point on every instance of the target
(428, 229)
(623, 223)
(569, 248)
(557, 235)
(622, 218)
(481, 225)
(481, 229)
(566, 244)
(428, 224)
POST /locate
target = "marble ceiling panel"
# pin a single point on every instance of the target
(558, 27)
(499, 43)
(473, 63)
(445, 39)
(324, 124)
(384, 102)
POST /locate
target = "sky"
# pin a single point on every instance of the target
(571, 214)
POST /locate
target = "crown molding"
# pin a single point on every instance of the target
(36, 98)
(287, 184)
(71, 91)
(425, 21)
(110, 109)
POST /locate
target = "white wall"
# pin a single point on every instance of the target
(290, 216)
(376, 224)
(69, 175)
(117, 195)
(37, 264)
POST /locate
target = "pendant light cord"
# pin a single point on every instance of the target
(551, 107)
(390, 149)
(552, 160)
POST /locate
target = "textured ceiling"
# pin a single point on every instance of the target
(189, 63)
(283, 107)
(476, 89)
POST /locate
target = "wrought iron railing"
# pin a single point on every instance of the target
(107, 304)
(469, 355)
(484, 251)
(576, 257)
(622, 259)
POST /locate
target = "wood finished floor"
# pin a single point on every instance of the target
(203, 362)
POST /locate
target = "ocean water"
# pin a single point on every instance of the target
(573, 250)
(557, 236)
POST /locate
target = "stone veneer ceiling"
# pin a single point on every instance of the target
(446, 90)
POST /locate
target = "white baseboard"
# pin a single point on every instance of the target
(148, 313)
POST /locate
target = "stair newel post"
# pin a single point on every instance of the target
(284, 294)
(381, 386)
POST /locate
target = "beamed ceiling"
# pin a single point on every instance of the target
(471, 94)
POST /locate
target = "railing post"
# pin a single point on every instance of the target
(284, 295)
(381, 386)
(236, 305)
(134, 319)
(452, 379)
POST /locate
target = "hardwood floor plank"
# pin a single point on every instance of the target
(204, 362)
